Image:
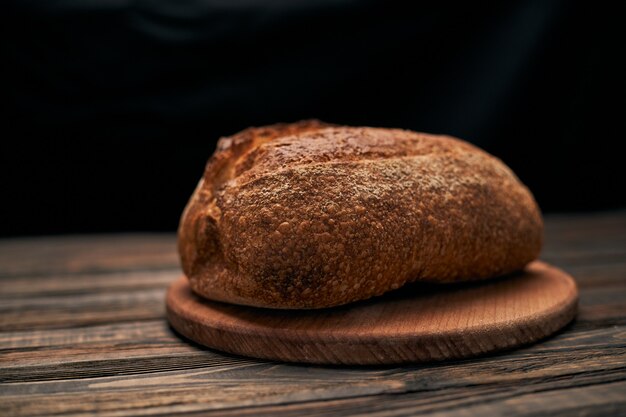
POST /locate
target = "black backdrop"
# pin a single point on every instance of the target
(114, 106)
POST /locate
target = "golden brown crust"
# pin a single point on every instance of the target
(309, 215)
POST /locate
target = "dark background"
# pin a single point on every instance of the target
(114, 106)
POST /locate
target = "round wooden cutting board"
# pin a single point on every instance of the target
(417, 323)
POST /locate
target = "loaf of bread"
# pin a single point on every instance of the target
(310, 215)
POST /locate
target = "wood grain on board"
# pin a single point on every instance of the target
(419, 323)
(83, 332)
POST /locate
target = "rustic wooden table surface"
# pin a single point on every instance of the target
(82, 332)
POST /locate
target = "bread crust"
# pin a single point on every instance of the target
(310, 215)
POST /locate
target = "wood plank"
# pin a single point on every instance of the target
(603, 399)
(593, 224)
(87, 254)
(149, 347)
(128, 348)
(598, 274)
(81, 309)
(258, 384)
(590, 238)
(155, 330)
(74, 284)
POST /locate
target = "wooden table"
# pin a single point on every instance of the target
(82, 332)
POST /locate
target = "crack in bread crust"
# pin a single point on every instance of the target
(310, 215)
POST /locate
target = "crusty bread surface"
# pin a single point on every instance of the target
(310, 215)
